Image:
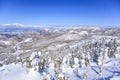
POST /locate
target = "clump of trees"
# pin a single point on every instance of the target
(75, 56)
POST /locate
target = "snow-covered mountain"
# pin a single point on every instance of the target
(21, 28)
(59, 53)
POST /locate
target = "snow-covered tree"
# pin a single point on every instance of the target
(76, 62)
(48, 77)
(35, 60)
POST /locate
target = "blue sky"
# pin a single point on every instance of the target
(60, 12)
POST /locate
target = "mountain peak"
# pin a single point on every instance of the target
(14, 24)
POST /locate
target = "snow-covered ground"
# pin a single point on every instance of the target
(18, 72)
(110, 71)
(5, 42)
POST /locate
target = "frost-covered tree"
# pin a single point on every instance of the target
(61, 76)
(84, 76)
(76, 62)
(35, 60)
(48, 77)
(82, 61)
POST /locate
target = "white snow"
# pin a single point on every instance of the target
(83, 33)
(15, 24)
(34, 75)
(20, 72)
(115, 78)
(28, 40)
(5, 42)
(13, 72)
(109, 69)
(68, 36)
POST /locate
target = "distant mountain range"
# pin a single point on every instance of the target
(20, 28)
(12, 29)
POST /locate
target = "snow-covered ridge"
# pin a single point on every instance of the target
(17, 28)
(61, 54)
(15, 24)
(19, 25)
